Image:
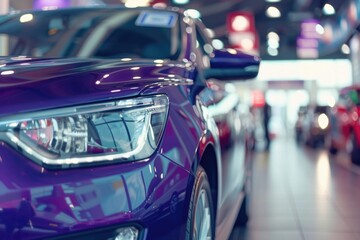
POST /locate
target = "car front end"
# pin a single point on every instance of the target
(98, 168)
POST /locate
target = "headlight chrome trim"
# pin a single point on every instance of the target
(147, 106)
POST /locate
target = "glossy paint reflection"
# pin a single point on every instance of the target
(323, 174)
(75, 199)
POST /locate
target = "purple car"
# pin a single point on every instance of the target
(109, 127)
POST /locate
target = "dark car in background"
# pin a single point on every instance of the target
(345, 125)
(312, 125)
(110, 123)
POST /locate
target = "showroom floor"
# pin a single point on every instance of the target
(302, 193)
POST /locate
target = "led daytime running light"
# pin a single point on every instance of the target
(127, 130)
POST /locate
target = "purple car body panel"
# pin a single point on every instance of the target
(153, 193)
(68, 82)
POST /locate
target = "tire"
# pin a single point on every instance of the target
(201, 218)
(333, 150)
(243, 216)
(330, 145)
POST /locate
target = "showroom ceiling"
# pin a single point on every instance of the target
(293, 12)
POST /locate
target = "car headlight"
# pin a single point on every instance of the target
(117, 130)
(323, 121)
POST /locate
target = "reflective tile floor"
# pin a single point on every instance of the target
(299, 193)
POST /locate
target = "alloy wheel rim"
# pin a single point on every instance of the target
(202, 221)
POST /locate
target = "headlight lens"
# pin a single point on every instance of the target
(323, 121)
(119, 130)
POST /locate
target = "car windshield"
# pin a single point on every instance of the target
(92, 32)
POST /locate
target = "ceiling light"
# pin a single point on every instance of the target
(273, 35)
(136, 3)
(193, 13)
(328, 9)
(272, 52)
(319, 29)
(345, 49)
(273, 43)
(273, 12)
(181, 2)
(272, 1)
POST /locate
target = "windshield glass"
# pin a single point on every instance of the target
(98, 32)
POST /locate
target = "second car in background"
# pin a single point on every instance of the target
(312, 125)
(345, 125)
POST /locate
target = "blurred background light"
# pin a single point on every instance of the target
(217, 44)
(247, 44)
(273, 35)
(193, 13)
(272, 51)
(210, 33)
(26, 18)
(273, 43)
(345, 49)
(240, 23)
(328, 9)
(319, 29)
(181, 2)
(331, 101)
(323, 121)
(136, 3)
(273, 12)
(50, 4)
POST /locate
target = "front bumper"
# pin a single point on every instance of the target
(151, 195)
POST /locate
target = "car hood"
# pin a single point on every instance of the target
(28, 84)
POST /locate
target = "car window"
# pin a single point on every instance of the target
(100, 33)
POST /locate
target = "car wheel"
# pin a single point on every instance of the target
(333, 150)
(243, 216)
(330, 145)
(201, 218)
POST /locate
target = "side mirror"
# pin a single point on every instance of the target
(230, 64)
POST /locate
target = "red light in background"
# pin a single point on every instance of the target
(258, 98)
(242, 32)
(159, 3)
(240, 22)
